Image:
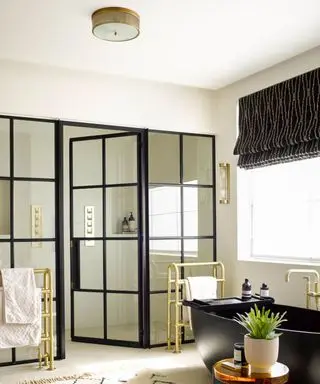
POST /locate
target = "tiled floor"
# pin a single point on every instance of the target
(106, 359)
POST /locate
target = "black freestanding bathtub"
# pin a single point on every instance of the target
(215, 333)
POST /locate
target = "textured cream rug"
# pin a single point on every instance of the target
(170, 376)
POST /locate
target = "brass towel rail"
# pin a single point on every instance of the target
(175, 297)
(46, 348)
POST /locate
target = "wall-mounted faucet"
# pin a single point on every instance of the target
(309, 293)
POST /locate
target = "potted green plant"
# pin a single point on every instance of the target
(261, 343)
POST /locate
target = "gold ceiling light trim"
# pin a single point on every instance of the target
(115, 24)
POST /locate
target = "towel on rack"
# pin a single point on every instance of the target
(20, 299)
(201, 288)
(20, 335)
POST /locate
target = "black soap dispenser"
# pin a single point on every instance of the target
(246, 290)
(264, 290)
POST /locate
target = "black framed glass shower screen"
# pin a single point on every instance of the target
(181, 215)
(106, 186)
(31, 231)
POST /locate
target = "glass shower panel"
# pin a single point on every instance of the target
(33, 149)
(83, 199)
(122, 317)
(164, 211)
(164, 158)
(158, 318)
(36, 255)
(87, 162)
(120, 202)
(91, 265)
(4, 255)
(121, 160)
(4, 147)
(197, 160)
(161, 254)
(122, 265)
(4, 209)
(198, 211)
(88, 314)
(34, 209)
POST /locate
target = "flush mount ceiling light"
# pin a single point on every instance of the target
(115, 24)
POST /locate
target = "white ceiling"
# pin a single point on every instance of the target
(203, 43)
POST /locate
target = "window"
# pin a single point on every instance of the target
(279, 212)
(165, 219)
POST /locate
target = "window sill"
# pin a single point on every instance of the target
(273, 260)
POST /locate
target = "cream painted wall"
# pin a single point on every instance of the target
(273, 274)
(43, 91)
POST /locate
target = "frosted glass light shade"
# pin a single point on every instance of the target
(115, 24)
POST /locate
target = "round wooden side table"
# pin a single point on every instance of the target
(224, 372)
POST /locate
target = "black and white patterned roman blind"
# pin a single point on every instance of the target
(280, 123)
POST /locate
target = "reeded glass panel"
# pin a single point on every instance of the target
(121, 160)
(33, 149)
(162, 253)
(88, 314)
(84, 200)
(34, 209)
(120, 202)
(4, 255)
(197, 160)
(164, 158)
(122, 317)
(36, 255)
(91, 265)
(4, 147)
(198, 211)
(164, 211)
(87, 162)
(4, 209)
(122, 265)
(158, 318)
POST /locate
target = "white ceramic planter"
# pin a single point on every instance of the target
(261, 354)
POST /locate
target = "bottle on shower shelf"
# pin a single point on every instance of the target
(125, 225)
(246, 290)
(132, 223)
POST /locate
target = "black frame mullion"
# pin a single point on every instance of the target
(104, 245)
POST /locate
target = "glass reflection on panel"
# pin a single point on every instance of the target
(164, 211)
(162, 253)
(33, 148)
(198, 251)
(83, 199)
(158, 318)
(120, 202)
(28, 256)
(197, 159)
(198, 211)
(121, 160)
(164, 158)
(4, 147)
(88, 314)
(87, 162)
(4, 209)
(4, 255)
(122, 265)
(122, 317)
(91, 265)
(28, 197)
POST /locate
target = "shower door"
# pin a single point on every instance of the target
(105, 187)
